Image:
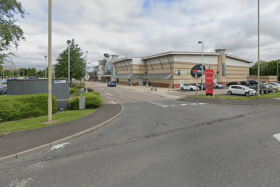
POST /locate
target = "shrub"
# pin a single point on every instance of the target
(90, 89)
(93, 100)
(24, 106)
(73, 90)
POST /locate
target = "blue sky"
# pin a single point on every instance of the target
(137, 28)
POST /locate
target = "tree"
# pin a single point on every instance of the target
(77, 63)
(10, 33)
(266, 68)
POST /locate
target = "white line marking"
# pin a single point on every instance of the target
(108, 94)
(202, 103)
(184, 104)
(172, 105)
(194, 104)
(277, 136)
(59, 146)
(164, 106)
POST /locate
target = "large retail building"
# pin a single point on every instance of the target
(171, 69)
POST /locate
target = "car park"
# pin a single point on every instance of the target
(275, 84)
(188, 87)
(240, 90)
(219, 86)
(111, 84)
(232, 83)
(263, 89)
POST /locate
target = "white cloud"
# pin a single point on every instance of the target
(127, 28)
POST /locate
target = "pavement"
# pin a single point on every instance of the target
(19, 144)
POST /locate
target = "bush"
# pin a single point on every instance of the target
(73, 90)
(93, 100)
(25, 106)
(90, 89)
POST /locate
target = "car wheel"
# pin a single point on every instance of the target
(229, 93)
(191, 89)
(182, 88)
(247, 94)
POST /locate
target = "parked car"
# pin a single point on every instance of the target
(273, 87)
(199, 86)
(275, 84)
(245, 83)
(219, 86)
(240, 90)
(232, 83)
(263, 89)
(3, 90)
(188, 87)
(32, 77)
(253, 82)
(111, 84)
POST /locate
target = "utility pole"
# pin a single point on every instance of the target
(258, 48)
(50, 63)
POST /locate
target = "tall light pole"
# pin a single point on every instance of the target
(45, 65)
(69, 43)
(50, 63)
(202, 70)
(258, 48)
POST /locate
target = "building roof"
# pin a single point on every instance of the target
(179, 53)
(239, 58)
(122, 59)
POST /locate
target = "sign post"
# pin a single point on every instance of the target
(209, 82)
(195, 71)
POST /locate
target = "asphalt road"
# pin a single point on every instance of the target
(160, 141)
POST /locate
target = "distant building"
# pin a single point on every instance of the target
(173, 68)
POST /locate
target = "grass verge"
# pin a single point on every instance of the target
(33, 123)
(269, 96)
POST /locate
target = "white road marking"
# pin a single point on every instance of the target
(277, 136)
(172, 105)
(59, 146)
(164, 106)
(108, 94)
(194, 104)
(22, 183)
(202, 103)
(183, 104)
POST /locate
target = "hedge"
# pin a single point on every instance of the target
(16, 107)
(93, 100)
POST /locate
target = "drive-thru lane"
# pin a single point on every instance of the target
(151, 145)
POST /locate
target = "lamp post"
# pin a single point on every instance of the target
(45, 65)
(50, 62)
(258, 48)
(202, 70)
(69, 43)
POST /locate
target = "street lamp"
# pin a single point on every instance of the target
(69, 42)
(258, 48)
(45, 65)
(201, 42)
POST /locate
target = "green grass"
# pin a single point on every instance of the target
(269, 96)
(34, 123)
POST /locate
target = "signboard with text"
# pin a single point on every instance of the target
(209, 87)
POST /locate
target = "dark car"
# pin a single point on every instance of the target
(32, 77)
(251, 82)
(233, 83)
(263, 89)
(199, 86)
(111, 84)
(245, 83)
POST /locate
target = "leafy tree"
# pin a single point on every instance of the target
(10, 33)
(77, 63)
(266, 68)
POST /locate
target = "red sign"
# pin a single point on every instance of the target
(209, 87)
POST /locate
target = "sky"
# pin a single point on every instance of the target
(139, 28)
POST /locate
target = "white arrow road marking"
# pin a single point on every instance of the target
(277, 136)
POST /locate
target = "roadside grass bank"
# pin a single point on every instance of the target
(269, 96)
(38, 122)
